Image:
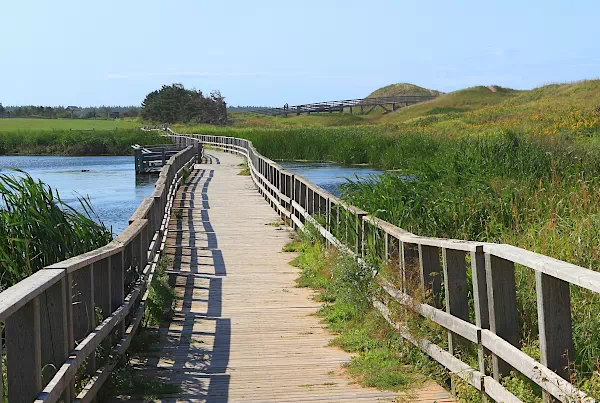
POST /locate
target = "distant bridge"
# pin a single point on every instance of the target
(388, 104)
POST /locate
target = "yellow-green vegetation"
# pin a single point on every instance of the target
(25, 124)
(125, 380)
(161, 295)
(487, 164)
(467, 100)
(402, 89)
(244, 168)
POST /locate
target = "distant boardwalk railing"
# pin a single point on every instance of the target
(439, 267)
(348, 104)
(52, 324)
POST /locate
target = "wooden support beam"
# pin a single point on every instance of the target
(386, 110)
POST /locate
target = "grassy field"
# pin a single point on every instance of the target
(18, 124)
(490, 164)
(72, 136)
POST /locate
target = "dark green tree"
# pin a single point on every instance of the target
(173, 103)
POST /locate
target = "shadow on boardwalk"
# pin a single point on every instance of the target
(200, 336)
(194, 348)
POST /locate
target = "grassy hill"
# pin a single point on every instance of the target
(469, 99)
(394, 90)
(550, 109)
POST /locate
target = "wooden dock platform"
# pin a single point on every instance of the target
(243, 331)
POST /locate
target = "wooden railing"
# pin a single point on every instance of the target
(439, 268)
(56, 319)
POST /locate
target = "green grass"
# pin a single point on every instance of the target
(68, 142)
(383, 359)
(39, 229)
(24, 124)
(244, 168)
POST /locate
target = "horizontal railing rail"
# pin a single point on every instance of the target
(56, 319)
(439, 268)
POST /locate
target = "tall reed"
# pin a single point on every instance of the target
(38, 229)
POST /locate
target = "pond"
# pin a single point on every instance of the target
(109, 182)
(115, 191)
(328, 175)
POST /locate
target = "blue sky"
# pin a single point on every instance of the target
(272, 52)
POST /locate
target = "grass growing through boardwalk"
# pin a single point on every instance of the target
(244, 168)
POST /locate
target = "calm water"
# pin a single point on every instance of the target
(115, 192)
(110, 183)
(328, 175)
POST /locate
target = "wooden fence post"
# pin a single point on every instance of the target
(431, 273)
(409, 266)
(456, 293)
(554, 323)
(24, 353)
(358, 227)
(502, 302)
(480, 300)
(54, 326)
(117, 280)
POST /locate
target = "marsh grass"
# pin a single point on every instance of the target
(39, 229)
(73, 142)
(536, 193)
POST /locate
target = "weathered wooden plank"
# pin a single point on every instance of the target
(547, 379)
(571, 273)
(20, 294)
(88, 258)
(53, 324)
(102, 286)
(459, 326)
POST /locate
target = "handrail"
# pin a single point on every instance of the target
(51, 325)
(432, 261)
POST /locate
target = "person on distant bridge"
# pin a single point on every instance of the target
(286, 107)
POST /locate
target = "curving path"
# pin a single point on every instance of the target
(242, 330)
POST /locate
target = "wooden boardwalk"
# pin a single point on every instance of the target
(242, 330)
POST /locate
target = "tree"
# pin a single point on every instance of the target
(173, 103)
(2, 110)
